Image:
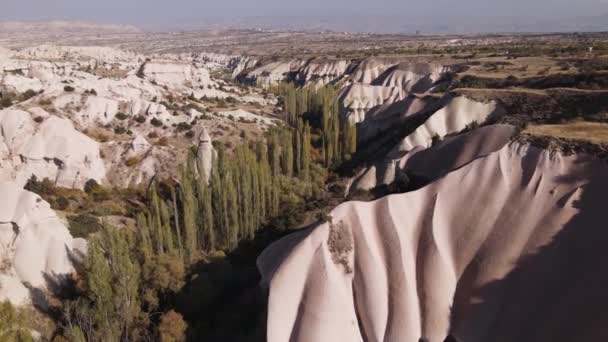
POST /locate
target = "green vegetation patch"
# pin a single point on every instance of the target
(83, 225)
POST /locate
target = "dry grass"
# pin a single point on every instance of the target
(340, 243)
(112, 73)
(502, 67)
(595, 132)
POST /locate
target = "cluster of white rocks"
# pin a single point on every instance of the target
(61, 108)
(35, 246)
(80, 90)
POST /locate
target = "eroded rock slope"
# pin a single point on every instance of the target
(35, 245)
(509, 247)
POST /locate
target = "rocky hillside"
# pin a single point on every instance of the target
(444, 196)
(74, 114)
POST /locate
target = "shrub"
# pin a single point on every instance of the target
(122, 116)
(131, 161)
(183, 126)
(189, 134)
(68, 88)
(101, 137)
(96, 191)
(172, 327)
(140, 119)
(44, 187)
(38, 119)
(60, 203)
(120, 130)
(28, 95)
(340, 244)
(81, 226)
(156, 123)
(6, 101)
(164, 141)
(45, 102)
(152, 135)
(91, 186)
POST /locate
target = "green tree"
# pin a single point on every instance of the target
(12, 324)
(207, 229)
(287, 152)
(172, 327)
(306, 152)
(189, 210)
(113, 279)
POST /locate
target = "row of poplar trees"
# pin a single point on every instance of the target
(338, 133)
(205, 213)
(128, 274)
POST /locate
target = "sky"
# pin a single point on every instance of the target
(159, 14)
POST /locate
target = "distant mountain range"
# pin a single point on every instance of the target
(339, 23)
(62, 26)
(403, 24)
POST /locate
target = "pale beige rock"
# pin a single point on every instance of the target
(52, 149)
(320, 73)
(510, 247)
(456, 115)
(358, 99)
(205, 153)
(34, 244)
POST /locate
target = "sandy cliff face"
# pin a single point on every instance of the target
(509, 247)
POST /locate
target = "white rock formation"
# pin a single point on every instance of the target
(52, 149)
(19, 84)
(274, 72)
(34, 244)
(507, 248)
(243, 64)
(177, 75)
(358, 99)
(432, 163)
(100, 110)
(205, 153)
(416, 77)
(139, 145)
(456, 115)
(320, 73)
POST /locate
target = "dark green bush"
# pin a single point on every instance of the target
(81, 226)
(96, 191)
(120, 130)
(156, 123)
(28, 94)
(60, 203)
(122, 116)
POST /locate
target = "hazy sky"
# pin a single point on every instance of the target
(163, 13)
